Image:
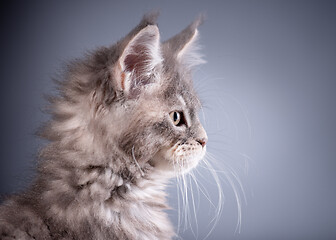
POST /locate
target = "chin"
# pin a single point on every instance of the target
(174, 163)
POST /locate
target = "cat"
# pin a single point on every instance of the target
(124, 122)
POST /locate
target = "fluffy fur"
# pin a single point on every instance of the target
(112, 143)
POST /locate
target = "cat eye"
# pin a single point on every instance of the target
(177, 118)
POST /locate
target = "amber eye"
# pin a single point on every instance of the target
(177, 118)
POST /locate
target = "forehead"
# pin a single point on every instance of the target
(177, 83)
(180, 91)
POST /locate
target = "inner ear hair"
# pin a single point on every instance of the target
(184, 45)
(139, 59)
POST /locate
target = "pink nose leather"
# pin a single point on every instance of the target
(202, 141)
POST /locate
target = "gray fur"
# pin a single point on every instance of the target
(111, 151)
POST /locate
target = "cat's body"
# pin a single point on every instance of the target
(124, 123)
(110, 208)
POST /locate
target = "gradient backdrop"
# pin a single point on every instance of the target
(268, 90)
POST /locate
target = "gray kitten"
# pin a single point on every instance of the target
(125, 121)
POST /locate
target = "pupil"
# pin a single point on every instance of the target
(175, 116)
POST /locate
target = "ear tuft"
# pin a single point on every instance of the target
(150, 18)
(185, 46)
(190, 53)
(139, 58)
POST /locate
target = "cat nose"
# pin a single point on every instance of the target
(202, 141)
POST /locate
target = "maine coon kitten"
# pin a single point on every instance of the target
(125, 122)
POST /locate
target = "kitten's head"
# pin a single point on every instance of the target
(137, 98)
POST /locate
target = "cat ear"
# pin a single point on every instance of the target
(184, 45)
(136, 65)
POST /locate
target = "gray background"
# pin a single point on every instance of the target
(268, 88)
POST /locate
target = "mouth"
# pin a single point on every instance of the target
(187, 160)
(179, 158)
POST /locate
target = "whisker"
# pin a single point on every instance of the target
(228, 173)
(205, 192)
(220, 197)
(136, 163)
(194, 207)
(178, 197)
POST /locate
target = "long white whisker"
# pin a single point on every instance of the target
(220, 197)
(178, 197)
(235, 176)
(236, 193)
(193, 177)
(186, 202)
(136, 163)
(193, 205)
(205, 192)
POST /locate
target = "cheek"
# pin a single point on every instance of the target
(145, 142)
(183, 157)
